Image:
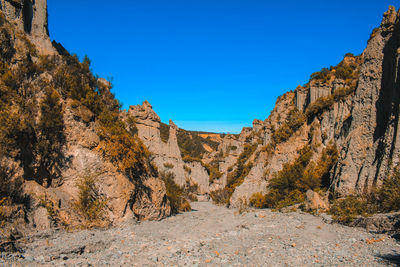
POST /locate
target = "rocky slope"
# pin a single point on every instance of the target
(66, 158)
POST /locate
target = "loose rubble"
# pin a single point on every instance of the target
(213, 236)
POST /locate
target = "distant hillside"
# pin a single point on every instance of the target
(193, 143)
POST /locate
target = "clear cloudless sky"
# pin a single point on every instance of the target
(212, 65)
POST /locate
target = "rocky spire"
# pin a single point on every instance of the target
(31, 17)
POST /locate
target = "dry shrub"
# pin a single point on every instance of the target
(347, 209)
(187, 169)
(257, 200)
(169, 165)
(243, 206)
(220, 196)
(190, 189)
(383, 199)
(387, 198)
(90, 204)
(175, 193)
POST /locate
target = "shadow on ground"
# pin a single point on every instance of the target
(391, 258)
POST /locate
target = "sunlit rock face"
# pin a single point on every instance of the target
(30, 16)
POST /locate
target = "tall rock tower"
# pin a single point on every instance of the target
(30, 16)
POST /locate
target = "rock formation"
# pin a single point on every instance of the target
(86, 148)
(167, 156)
(371, 145)
(353, 105)
(66, 158)
(30, 17)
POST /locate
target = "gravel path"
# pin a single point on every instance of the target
(214, 236)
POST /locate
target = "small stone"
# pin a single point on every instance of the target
(293, 245)
(29, 258)
(40, 258)
(63, 257)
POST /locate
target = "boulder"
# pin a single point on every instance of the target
(314, 201)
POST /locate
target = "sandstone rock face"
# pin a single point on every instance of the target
(126, 200)
(360, 117)
(56, 165)
(255, 182)
(30, 17)
(302, 97)
(167, 156)
(371, 148)
(319, 90)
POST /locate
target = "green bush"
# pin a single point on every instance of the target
(383, 199)
(325, 103)
(131, 125)
(213, 170)
(189, 159)
(341, 93)
(318, 107)
(344, 72)
(190, 190)
(47, 63)
(231, 148)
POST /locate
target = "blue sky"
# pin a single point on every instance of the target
(212, 65)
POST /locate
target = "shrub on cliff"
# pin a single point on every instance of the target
(293, 122)
(243, 167)
(51, 137)
(175, 193)
(213, 170)
(325, 103)
(318, 107)
(288, 186)
(168, 165)
(321, 76)
(90, 204)
(192, 144)
(164, 132)
(126, 151)
(258, 200)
